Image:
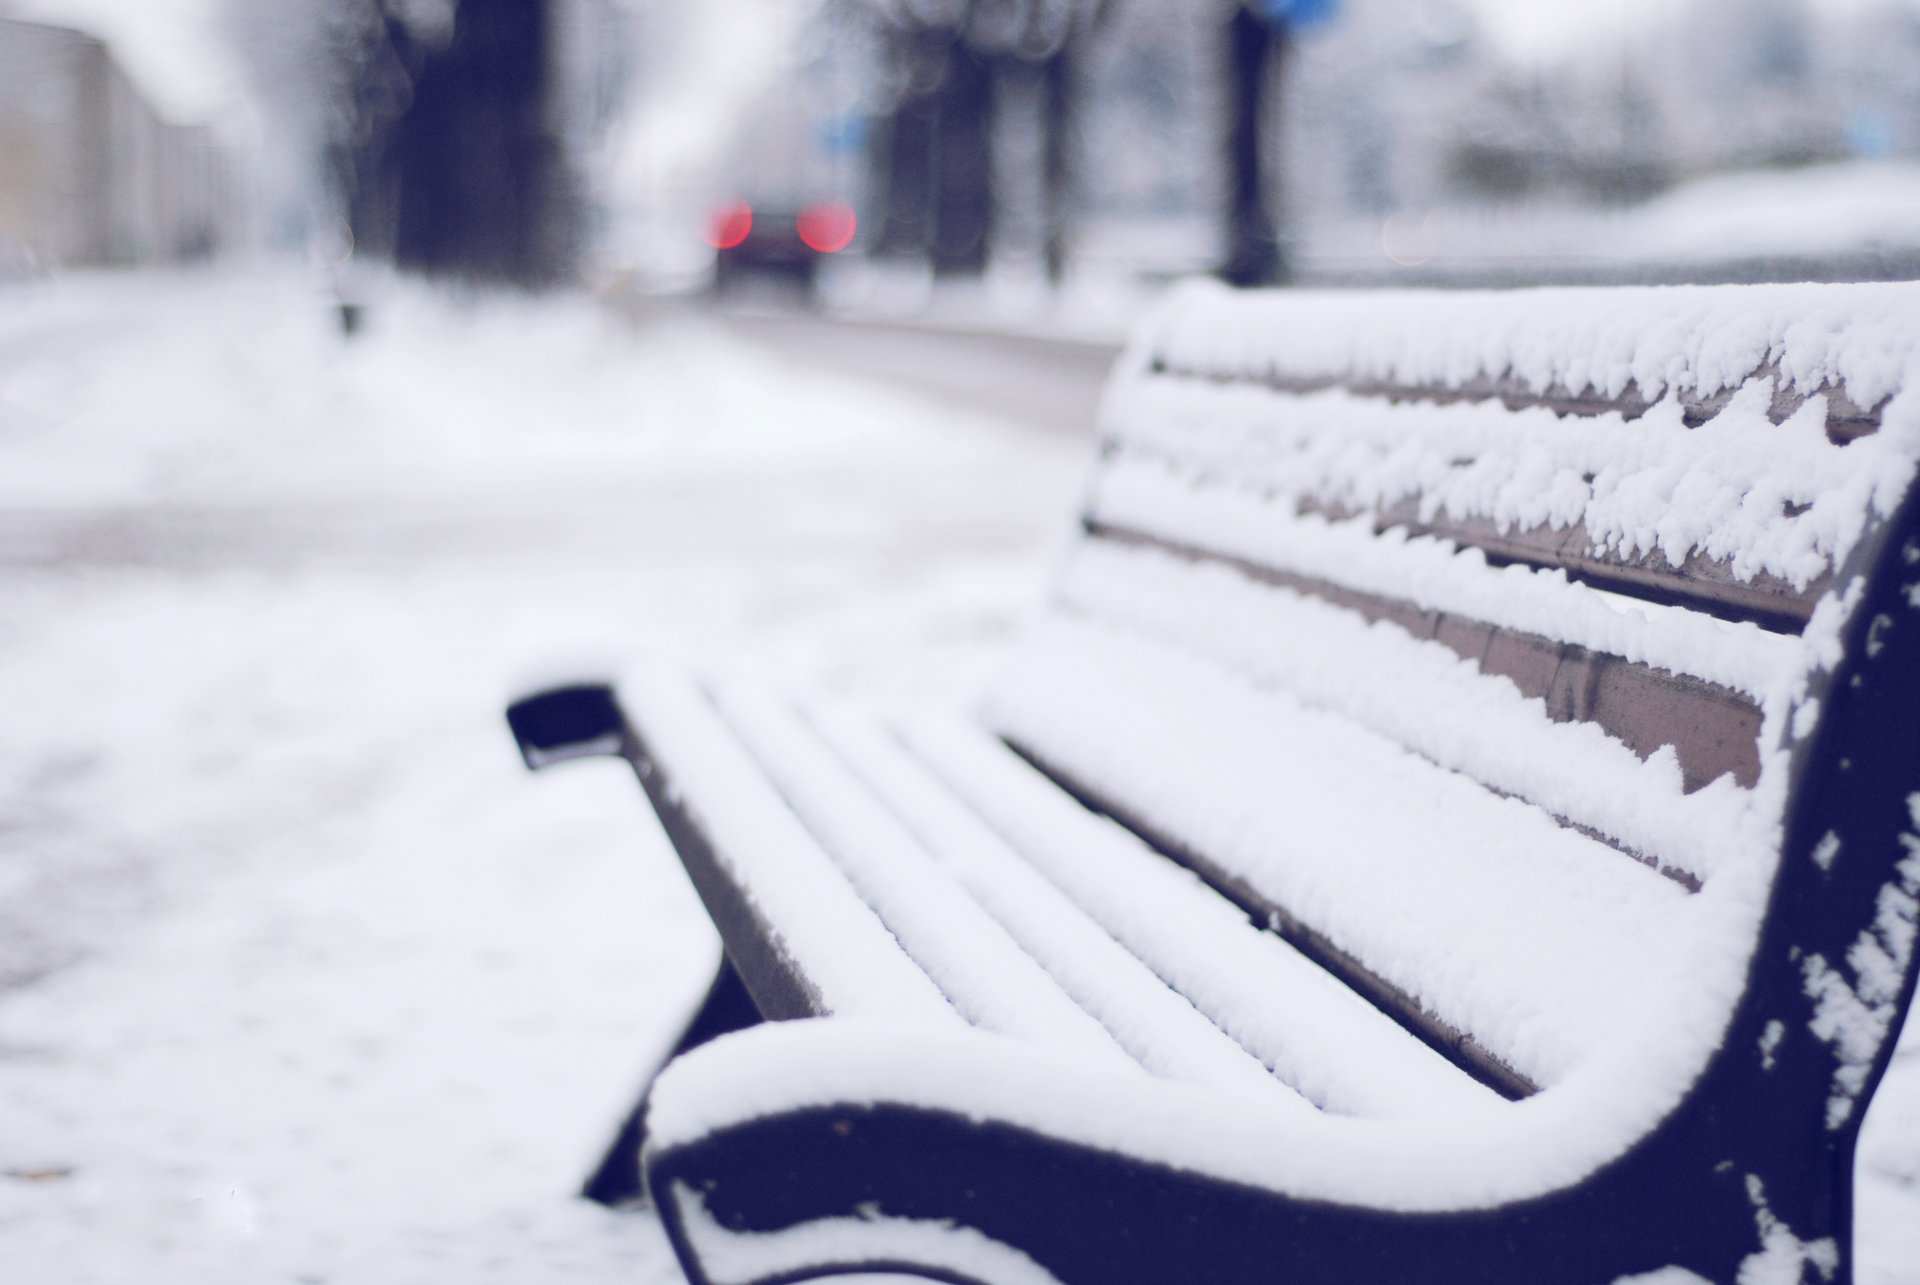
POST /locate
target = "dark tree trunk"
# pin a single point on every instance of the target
(963, 165)
(904, 155)
(1056, 158)
(1254, 55)
(363, 159)
(470, 180)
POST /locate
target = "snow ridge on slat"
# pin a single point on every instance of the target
(983, 973)
(1765, 499)
(1435, 575)
(1713, 731)
(835, 941)
(1616, 342)
(1538, 942)
(1159, 1027)
(1317, 1035)
(1845, 418)
(1416, 693)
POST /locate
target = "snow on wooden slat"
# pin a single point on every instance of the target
(982, 971)
(1159, 1027)
(1316, 1033)
(822, 929)
(1418, 693)
(1539, 943)
(1436, 576)
(1740, 513)
(1699, 583)
(1634, 344)
(1845, 418)
(1713, 731)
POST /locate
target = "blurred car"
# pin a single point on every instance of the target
(784, 243)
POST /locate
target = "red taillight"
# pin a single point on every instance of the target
(730, 225)
(827, 227)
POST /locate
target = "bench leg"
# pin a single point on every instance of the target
(727, 1008)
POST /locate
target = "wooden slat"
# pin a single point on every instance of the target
(1699, 584)
(968, 954)
(1714, 730)
(1707, 585)
(1485, 914)
(1318, 1035)
(797, 932)
(1458, 1047)
(780, 989)
(1161, 1027)
(1847, 420)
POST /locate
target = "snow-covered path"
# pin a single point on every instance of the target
(301, 978)
(306, 979)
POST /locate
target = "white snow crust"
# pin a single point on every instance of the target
(1686, 339)
(1782, 1257)
(832, 936)
(1731, 490)
(1453, 1161)
(1417, 693)
(1338, 1050)
(1539, 941)
(1159, 1026)
(1778, 499)
(930, 916)
(732, 1258)
(1153, 498)
(1855, 1006)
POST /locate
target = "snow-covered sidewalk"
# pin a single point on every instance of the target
(301, 978)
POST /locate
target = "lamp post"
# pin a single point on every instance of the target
(1259, 35)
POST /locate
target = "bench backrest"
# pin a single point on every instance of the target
(1509, 654)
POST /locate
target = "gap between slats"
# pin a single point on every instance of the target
(1701, 584)
(1458, 1047)
(1846, 420)
(1317, 1033)
(1713, 730)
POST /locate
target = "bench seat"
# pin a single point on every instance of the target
(1456, 819)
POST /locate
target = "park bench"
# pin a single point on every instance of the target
(1456, 820)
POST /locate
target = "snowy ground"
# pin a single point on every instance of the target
(301, 978)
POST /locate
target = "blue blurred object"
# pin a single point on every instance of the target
(842, 135)
(1870, 134)
(1298, 15)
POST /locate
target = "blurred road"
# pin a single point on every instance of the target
(1046, 383)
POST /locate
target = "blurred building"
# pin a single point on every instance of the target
(90, 174)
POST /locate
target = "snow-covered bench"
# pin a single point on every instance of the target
(1458, 820)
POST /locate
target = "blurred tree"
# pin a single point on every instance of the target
(333, 75)
(1255, 43)
(951, 63)
(1260, 37)
(477, 179)
(441, 132)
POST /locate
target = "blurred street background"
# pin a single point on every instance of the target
(365, 362)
